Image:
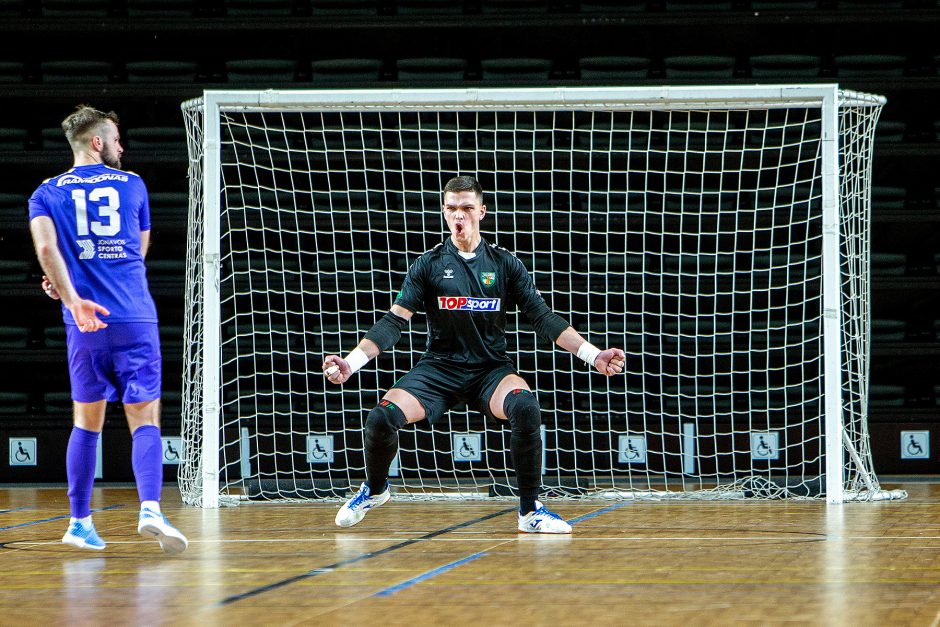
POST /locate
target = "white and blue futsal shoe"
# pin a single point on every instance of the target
(355, 508)
(83, 536)
(154, 525)
(542, 520)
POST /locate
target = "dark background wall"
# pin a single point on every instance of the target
(143, 57)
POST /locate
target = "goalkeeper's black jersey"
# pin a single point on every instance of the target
(466, 301)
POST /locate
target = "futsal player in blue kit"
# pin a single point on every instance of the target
(465, 286)
(91, 231)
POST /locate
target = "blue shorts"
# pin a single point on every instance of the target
(120, 362)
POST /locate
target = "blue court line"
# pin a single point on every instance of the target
(598, 513)
(15, 509)
(428, 575)
(45, 520)
(446, 567)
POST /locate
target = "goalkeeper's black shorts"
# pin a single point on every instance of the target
(440, 386)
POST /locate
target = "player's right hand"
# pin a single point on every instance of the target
(49, 288)
(83, 311)
(336, 369)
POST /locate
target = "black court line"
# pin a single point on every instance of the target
(353, 560)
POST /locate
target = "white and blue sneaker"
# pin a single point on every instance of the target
(355, 508)
(154, 525)
(543, 521)
(83, 536)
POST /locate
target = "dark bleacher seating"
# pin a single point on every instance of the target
(14, 336)
(76, 71)
(888, 330)
(11, 8)
(53, 141)
(14, 270)
(346, 70)
(614, 68)
(75, 8)
(344, 8)
(12, 138)
(699, 67)
(13, 403)
(13, 212)
(785, 66)
(516, 69)
(861, 5)
(12, 72)
(259, 8)
(885, 198)
(700, 5)
(162, 273)
(169, 138)
(513, 6)
(891, 131)
(261, 71)
(882, 395)
(54, 336)
(161, 71)
(431, 69)
(169, 210)
(160, 8)
(613, 6)
(435, 7)
(888, 264)
(57, 403)
(869, 65)
(783, 5)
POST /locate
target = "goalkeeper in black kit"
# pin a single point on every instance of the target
(465, 285)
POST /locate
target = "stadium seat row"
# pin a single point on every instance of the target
(290, 8)
(173, 138)
(363, 70)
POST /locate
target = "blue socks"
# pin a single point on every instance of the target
(80, 457)
(147, 460)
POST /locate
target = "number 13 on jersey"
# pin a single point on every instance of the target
(110, 203)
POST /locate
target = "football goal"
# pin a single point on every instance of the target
(719, 235)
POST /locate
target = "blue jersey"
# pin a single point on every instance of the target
(99, 213)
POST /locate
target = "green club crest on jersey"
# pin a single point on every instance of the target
(488, 278)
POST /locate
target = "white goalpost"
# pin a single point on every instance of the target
(719, 235)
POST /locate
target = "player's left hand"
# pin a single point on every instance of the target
(49, 288)
(610, 362)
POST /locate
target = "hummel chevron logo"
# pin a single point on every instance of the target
(88, 249)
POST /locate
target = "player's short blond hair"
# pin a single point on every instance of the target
(84, 123)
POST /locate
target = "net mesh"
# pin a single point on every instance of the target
(691, 238)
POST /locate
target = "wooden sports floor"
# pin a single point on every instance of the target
(447, 563)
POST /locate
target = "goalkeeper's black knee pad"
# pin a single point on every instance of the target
(523, 411)
(384, 420)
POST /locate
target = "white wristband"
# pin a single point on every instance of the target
(588, 353)
(356, 359)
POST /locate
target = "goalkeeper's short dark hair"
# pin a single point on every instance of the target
(464, 184)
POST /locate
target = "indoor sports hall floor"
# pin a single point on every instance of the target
(448, 563)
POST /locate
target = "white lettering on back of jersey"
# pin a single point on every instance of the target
(72, 179)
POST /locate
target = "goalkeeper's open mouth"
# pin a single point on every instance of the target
(458, 228)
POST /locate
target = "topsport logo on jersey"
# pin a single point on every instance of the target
(468, 303)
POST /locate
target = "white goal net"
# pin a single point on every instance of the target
(720, 236)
